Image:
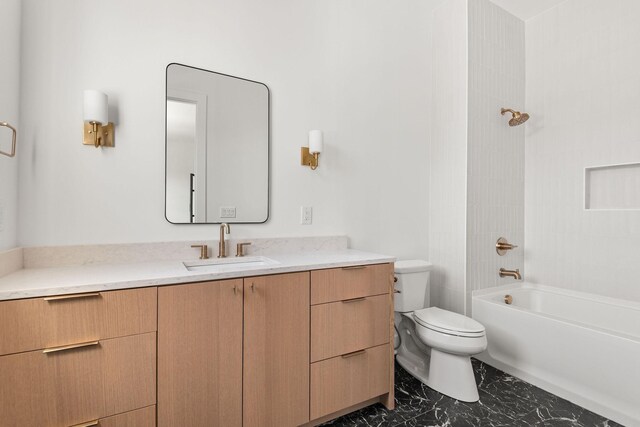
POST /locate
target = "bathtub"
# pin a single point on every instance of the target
(582, 347)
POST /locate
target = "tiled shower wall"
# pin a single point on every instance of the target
(583, 88)
(477, 160)
(495, 152)
(448, 156)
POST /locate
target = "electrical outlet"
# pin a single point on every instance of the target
(306, 215)
(228, 212)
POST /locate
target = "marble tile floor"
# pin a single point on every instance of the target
(504, 401)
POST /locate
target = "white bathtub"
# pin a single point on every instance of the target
(583, 347)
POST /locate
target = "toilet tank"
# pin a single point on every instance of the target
(413, 284)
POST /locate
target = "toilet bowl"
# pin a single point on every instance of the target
(435, 345)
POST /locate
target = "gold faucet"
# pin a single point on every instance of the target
(204, 251)
(222, 246)
(240, 248)
(511, 273)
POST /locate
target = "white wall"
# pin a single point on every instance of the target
(582, 89)
(359, 70)
(9, 109)
(447, 241)
(495, 177)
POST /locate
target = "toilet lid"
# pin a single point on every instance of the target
(447, 321)
(412, 266)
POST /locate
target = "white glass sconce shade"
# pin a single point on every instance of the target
(315, 141)
(96, 107)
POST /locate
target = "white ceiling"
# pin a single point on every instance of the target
(525, 9)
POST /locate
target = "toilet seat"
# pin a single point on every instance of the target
(449, 323)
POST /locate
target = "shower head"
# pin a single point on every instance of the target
(517, 118)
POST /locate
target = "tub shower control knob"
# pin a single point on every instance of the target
(502, 246)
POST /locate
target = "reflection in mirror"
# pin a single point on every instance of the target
(217, 147)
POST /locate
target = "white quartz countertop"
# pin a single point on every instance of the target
(38, 282)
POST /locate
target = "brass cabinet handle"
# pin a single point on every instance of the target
(253, 287)
(346, 301)
(74, 296)
(235, 289)
(355, 267)
(355, 353)
(88, 424)
(70, 347)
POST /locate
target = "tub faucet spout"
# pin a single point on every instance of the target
(511, 273)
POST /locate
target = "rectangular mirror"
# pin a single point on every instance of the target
(217, 148)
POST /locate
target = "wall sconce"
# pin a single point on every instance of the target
(97, 129)
(311, 153)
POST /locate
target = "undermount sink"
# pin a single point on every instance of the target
(226, 264)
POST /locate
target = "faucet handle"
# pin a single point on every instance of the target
(240, 248)
(204, 251)
(502, 246)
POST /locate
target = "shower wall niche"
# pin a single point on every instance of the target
(613, 187)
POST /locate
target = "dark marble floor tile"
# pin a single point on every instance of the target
(486, 374)
(504, 401)
(514, 397)
(570, 416)
(461, 414)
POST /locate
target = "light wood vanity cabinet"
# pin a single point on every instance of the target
(78, 359)
(37, 323)
(200, 354)
(235, 352)
(351, 339)
(275, 351)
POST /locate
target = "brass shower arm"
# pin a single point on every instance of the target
(505, 110)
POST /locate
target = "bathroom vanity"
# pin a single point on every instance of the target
(295, 343)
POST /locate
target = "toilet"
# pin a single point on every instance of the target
(434, 345)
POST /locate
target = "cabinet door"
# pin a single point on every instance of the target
(200, 354)
(276, 350)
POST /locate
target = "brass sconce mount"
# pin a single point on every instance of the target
(308, 159)
(98, 135)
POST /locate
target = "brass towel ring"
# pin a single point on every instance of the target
(13, 142)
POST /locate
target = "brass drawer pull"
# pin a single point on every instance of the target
(70, 347)
(75, 296)
(346, 301)
(355, 353)
(88, 424)
(355, 267)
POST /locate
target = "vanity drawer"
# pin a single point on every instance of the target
(75, 386)
(347, 380)
(349, 325)
(38, 323)
(338, 284)
(145, 417)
